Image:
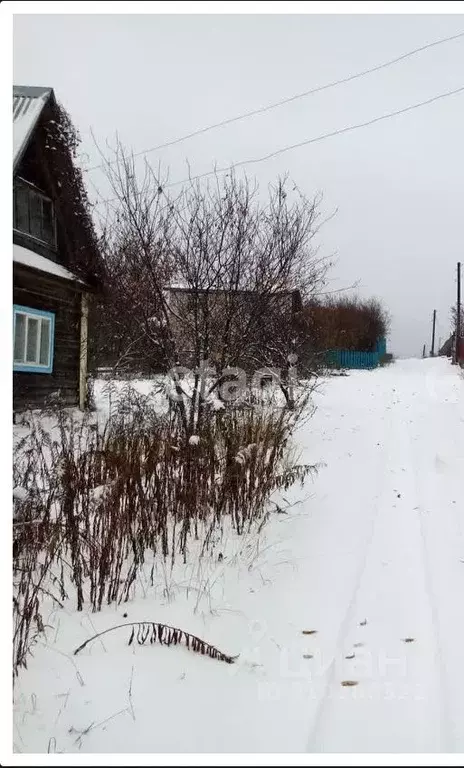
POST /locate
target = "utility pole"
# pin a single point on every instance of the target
(432, 351)
(423, 351)
(458, 315)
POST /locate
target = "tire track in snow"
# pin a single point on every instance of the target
(443, 546)
(444, 709)
(417, 601)
(349, 614)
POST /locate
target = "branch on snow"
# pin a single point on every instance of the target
(152, 632)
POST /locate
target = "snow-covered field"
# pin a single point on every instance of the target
(361, 582)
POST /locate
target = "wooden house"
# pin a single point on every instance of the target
(55, 255)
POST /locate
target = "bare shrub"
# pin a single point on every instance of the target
(344, 322)
(214, 275)
(98, 504)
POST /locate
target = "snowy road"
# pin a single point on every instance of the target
(400, 567)
(370, 566)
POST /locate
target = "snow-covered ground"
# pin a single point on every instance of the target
(361, 582)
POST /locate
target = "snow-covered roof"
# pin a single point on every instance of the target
(28, 102)
(28, 258)
(177, 287)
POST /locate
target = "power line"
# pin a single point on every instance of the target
(288, 100)
(322, 137)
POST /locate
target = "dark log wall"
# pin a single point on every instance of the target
(40, 291)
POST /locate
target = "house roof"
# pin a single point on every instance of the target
(28, 103)
(31, 259)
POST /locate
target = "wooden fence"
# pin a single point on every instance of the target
(350, 358)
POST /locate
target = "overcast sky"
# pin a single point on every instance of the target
(398, 185)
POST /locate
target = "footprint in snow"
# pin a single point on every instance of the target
(440, 465)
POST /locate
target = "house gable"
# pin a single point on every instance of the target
(51, 211)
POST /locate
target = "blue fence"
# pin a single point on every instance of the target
(349, 358)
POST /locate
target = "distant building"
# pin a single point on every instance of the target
(264, 319)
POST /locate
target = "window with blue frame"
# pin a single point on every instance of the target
(34, 332)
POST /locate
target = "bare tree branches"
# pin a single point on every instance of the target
(213, 275)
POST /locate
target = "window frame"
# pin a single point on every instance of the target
(31, 189)
(35, 314)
